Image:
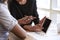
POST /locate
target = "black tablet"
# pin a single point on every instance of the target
(46, 24)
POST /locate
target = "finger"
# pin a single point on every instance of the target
(28, 21)
(34, 17)
(39, 25)
(38, 30)
(25, 18)
(31, 17)
(45, 17)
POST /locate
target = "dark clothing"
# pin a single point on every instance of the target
(19, 11)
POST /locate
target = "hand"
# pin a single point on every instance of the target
(42, 21)
(30, 18)
(37, 28)
(23, 20)
(26, 20)
(28, 28)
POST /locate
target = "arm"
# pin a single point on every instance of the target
(26, 20)
(19, 31)
(10, 23)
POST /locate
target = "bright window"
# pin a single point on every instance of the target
(49, 8)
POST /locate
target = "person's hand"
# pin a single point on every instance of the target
(37, 28)
(28, 28)
(42, 20)
(26, 19)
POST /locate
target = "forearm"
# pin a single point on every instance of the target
(18, 31)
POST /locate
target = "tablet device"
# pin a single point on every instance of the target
(46, 24)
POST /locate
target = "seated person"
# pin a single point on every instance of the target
(22, 8)
(9, 24)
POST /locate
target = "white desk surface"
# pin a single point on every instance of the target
(51, 34)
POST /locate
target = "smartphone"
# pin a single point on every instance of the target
(46, 24)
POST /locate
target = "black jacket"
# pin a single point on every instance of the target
(19, 11)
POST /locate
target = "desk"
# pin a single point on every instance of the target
(51, 34)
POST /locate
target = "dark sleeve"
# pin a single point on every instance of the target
(12, 9)
(15, 12)
(35, 14)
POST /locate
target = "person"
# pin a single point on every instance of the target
(22, 8)
(9, 24)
